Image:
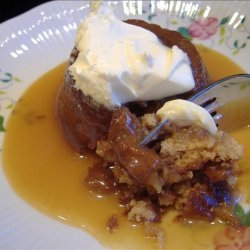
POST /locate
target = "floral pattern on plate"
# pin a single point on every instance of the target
(202, 27)
(6, 102)
(205, 28)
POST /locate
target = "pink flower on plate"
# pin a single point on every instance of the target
(204, 28)
(233, 239)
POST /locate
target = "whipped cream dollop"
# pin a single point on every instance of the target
(185, 113)
(119, 63)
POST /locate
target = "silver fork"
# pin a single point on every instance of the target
(215, 96)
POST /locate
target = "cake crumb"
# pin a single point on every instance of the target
(185, 168)
(141, 211)
(112, 224)
(153, 231)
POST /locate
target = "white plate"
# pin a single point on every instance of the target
(42, 38)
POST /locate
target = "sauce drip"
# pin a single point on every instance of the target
(39, 161)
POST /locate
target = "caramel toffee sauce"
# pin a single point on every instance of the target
(47, 173)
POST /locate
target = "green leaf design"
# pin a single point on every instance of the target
(2, 129)
(16, 79)
(174, 22)
(5, 80)
(239, 211)
(201, 12)
(2, 92)
(8, 77)
(243, 45)
(236, 43)
(221, 40)
(150, 17)
(244, 218)
(9, 106)
(235, 52)
(222, 30)
(184, 31)
(243, 20)
(224, 20)
(243, 86)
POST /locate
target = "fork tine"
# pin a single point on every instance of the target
(210, 105)
(200, 101)
(154, 133)
(217, 117)
(214, 96)
(204, 104)
(202, 98)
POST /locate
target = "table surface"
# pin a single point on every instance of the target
(9, 9)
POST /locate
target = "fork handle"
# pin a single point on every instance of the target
(154, 133)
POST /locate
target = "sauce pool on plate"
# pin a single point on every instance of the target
(49, 175)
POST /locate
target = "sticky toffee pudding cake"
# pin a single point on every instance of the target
(108, 104)
(85, 121)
